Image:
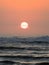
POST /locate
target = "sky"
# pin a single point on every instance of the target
(14, 12)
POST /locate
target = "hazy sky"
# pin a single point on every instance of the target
(13, 12)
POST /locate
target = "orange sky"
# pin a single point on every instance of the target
(13, 12)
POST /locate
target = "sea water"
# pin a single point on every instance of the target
(23, 53)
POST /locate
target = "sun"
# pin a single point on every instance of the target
(24, 25)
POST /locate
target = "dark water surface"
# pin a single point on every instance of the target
(23, 53)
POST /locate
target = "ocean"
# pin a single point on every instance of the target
(23, 53)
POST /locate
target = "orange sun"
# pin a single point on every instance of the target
(24, 25)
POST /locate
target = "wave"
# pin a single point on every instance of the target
(43, 39)
(23, 51)
(7, 62)
(23, 56)
(23, 48)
